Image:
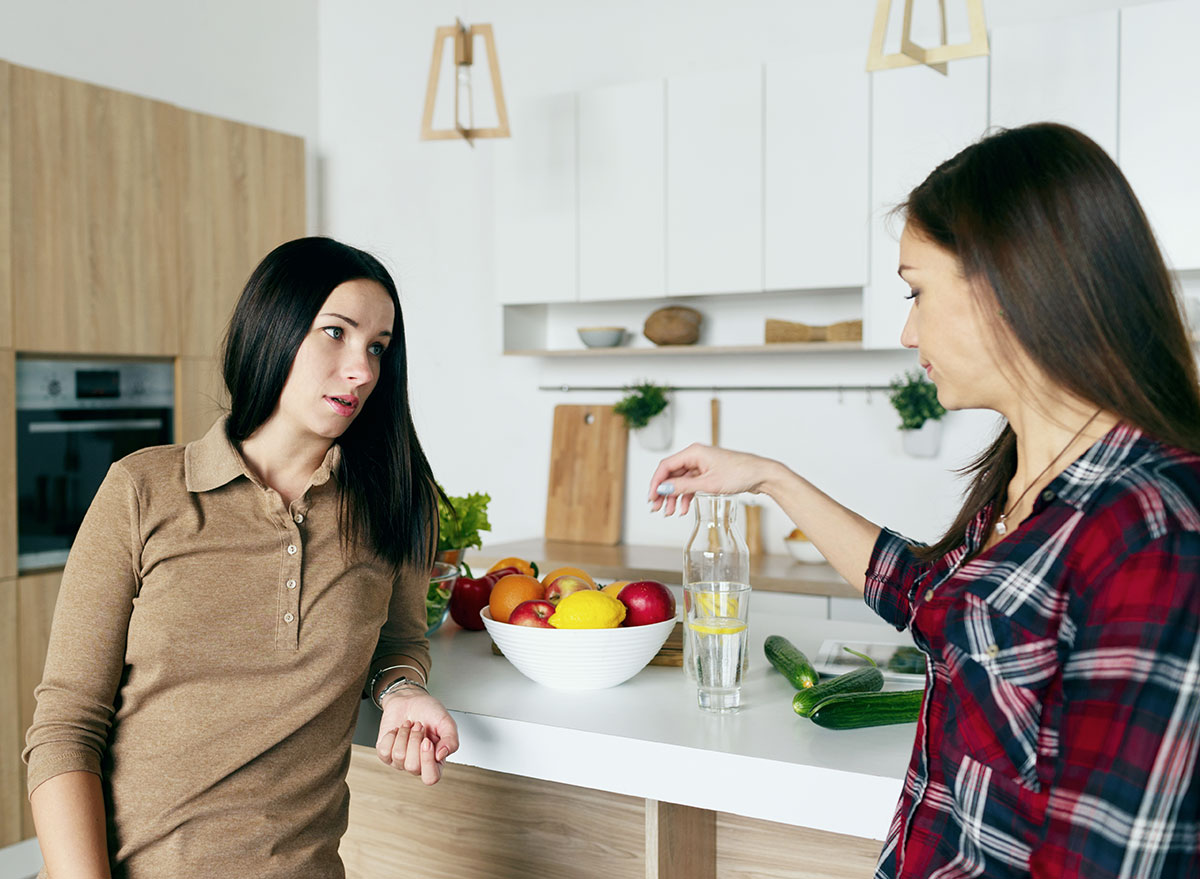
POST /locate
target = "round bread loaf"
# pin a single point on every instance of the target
(673, 325)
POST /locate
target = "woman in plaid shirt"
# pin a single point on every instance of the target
(1059, 613)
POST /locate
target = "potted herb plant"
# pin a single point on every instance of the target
(915, 398)
(646, 410)
(459, 525)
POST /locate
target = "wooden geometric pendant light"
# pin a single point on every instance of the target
(464, 42)
(910, 53)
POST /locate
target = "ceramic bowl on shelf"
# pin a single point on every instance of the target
(803, 550)
(437, 600)
(601, 337)
(578, 659)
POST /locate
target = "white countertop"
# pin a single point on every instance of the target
(646, 737)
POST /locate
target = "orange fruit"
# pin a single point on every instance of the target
(510, 591)
(574, 572)
(520, 564)
(614, 589)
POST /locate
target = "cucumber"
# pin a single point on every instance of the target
(793, 664)
(861, 680)
(855, 710)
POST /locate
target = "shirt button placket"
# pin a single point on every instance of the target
(291, 572)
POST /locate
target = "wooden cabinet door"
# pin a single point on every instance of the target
(1160, 129)
(919, 119)
(200, 396)
(715, 183)
(12, 734)
(1062, 70)
(242, 195)
(622, 203)
(95, 256)
(6, 296)
(816, 208)
(36, 595)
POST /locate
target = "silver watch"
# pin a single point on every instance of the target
(396, 685)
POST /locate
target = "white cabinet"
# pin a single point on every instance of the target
(1063, 70)
(816, 199)
(622, 197)
(715, 182)
(919, 119)
(535, 203)
(1160, 122)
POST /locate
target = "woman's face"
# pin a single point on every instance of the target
(338, 363)
(950, 330)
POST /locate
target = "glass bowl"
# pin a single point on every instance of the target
(437, 599)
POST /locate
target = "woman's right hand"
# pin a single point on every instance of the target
(708, 469)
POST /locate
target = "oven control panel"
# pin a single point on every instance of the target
(94, 384)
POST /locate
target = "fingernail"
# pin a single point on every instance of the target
(426, 745)
(666, 488)
(443, 754)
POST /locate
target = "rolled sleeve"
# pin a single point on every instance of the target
(85, 657)
(891, 578)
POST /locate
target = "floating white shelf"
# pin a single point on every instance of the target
(692, 350)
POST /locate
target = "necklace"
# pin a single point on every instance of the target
(1002, 523)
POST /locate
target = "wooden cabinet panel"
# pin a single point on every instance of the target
(1062, 70)
(12, 770)
(535, 220)
(919, 119)
(95, 256)
(36, 595)
(752, 849)
(242, 195)
(816, 198)
(200, 396)
(8, 465)
(6, 301)
(715, 182)
(1160, 89)
(622, 202)
(486, 824)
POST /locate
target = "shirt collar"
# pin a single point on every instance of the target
(1122, 446)
(213, 461)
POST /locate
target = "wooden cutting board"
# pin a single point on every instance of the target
(586, 493)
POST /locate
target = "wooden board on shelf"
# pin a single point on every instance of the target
(586, 493)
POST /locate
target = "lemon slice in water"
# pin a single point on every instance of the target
(717, 626)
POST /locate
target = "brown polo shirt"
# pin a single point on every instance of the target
(207, 657)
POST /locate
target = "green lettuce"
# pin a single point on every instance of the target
(459, 527)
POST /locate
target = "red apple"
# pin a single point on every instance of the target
(561, 587)
(535, 612)
(646, 601)
(469, 596)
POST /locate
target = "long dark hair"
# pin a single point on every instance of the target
(1043, 221)
(388, 496)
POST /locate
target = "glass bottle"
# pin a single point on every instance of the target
(715, 553)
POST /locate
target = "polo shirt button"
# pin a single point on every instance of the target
(291, 584)
(287, 617)
(1047, 495)
(299, 518)
(292, 550)
(993, 651)
(929, 595)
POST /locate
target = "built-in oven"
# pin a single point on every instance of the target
(74, 418)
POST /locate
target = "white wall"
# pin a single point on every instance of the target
(425, 207)
(253, 61)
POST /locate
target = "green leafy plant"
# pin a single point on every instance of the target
(915, 398)
(459, 524)
(642, 403)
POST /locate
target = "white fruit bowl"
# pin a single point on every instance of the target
(803, 551)
(578, 659)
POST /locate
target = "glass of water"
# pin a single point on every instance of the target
(716, 613)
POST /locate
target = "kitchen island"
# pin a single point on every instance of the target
(635, 776)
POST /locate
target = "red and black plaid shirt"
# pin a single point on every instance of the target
(1061, 723)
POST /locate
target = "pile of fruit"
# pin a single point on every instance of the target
(565, 598)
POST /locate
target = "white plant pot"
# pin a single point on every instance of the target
(657, 435)
(925, 442)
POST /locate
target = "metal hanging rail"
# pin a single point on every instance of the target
(566, 388)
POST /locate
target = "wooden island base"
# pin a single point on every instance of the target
(479, 824)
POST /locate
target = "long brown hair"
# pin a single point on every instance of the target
(1043, 220)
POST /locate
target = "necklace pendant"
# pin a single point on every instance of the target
(1001, 528)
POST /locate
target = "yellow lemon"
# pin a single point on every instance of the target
(588, 609)
(716, 626)
(717, 603)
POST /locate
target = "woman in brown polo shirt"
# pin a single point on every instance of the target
(225, 603)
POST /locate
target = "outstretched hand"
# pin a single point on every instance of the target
(707, 469)
(416, 734)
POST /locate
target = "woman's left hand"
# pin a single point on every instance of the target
(416, 734)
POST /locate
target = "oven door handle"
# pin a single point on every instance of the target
(95, 426)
